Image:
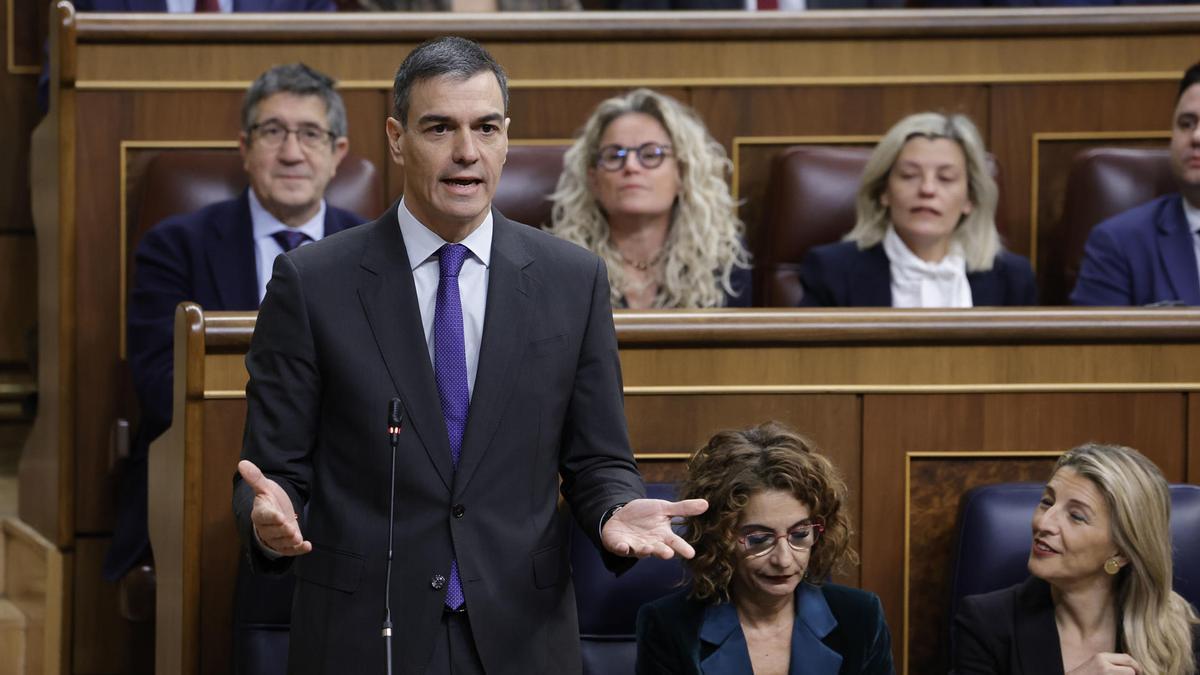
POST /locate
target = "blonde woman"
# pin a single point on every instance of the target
(926, 231)
(644, 187)
(1099, 599)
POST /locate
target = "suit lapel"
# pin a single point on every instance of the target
(983, 289)
(505, 326)
(872, 283)
(723, 649)
(814, 622)
(389, 300)
(1035, 632)
(1177, 252)
(231, 258)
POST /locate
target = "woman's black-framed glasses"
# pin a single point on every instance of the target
(273, 134)
(800, 538)
(650, 156)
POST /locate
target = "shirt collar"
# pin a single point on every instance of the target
(266, 224)
(901, 256)
(1192, 214)
(422, 242)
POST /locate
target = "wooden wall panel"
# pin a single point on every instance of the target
(103, 643)
(1019, 111)
(894, 425)
(18, 296)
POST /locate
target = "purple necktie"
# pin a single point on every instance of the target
(289, 239)
(450, 368)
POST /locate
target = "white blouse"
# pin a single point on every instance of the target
(918, 283)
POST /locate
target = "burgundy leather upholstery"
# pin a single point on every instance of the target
(530, 176)
(810, 202)
(1103, 182)
(181, 181)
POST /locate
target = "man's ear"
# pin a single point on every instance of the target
(396, 137)
(504, 128)
(340, 147)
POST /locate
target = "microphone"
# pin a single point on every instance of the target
(395, 422)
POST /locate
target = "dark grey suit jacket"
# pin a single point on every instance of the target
(338, 335)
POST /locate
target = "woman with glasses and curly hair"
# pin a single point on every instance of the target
(775, 528)
(1099, 598)
(644, 187)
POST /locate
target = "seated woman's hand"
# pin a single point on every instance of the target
(1108, 663)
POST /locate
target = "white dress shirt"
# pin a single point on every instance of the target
(265, 246)
(189, 6)
(917, 283)
(423, 244)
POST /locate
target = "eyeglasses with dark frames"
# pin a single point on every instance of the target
(650, 156)
(272, 134)
(800, 538)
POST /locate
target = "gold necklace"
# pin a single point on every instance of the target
(643, 265)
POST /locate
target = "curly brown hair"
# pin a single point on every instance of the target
(739, 463)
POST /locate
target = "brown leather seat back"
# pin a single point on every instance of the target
(1103, 182)
(181, 181)
(530, 176)
(810, 202)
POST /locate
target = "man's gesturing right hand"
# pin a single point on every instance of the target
(275, 523)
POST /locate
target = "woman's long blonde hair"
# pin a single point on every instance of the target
(976, 232)
(704, 242)
(1156, 622)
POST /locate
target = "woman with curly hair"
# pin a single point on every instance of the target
(1099, 598)
(775, 528)
(644, 187)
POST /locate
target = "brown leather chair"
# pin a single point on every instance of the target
(181, 181)
(810, 202)
(1103, 182)
(530, 176)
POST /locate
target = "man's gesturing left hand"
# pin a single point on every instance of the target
(642, 528)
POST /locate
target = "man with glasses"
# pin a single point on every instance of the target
(293, 137)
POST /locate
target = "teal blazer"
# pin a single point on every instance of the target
(838, 630)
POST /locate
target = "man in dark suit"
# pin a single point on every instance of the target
(293, 137)
(1147, 255)
(498, 341)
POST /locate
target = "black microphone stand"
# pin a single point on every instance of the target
(395, 423)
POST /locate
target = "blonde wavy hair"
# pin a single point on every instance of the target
(976, 232)
(737, 464)
(704, 242)
(1156, 622)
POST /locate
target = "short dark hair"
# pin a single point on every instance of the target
(735, 465)
(454, 56)
(1190, 76)
(300, 80)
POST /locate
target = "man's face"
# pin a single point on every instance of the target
(290, 170)
(452, 151)
(1185, 143)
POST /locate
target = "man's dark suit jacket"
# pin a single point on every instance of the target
(206, 257)
(238, 5)
(338, 336)
(840, 275)
(1140, 257)
(1011, 632)
(838, 630)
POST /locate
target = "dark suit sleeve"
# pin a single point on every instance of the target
(877, 656)
(1104, 276)
(282, 403)
(162, 279)
(814, 279)
(596, 462)
(657, 652)
(973, 650)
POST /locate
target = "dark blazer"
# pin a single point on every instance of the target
(840, 275)
(838, 630)
(1140, 257)
(1012, 632)
(207, 257)
(238, 5)
(338, 336)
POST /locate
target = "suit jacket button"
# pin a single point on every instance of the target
(458, 511)
(438, 582)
